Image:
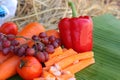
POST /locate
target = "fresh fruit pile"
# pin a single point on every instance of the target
(39, 55)
(36, 54)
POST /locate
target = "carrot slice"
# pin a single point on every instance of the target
(8, 68)
(79, 66)
(58, 51)
(53, 32)
(65, 54)
(69, 60)
(33, 28)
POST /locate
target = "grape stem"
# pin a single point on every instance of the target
(23, 37)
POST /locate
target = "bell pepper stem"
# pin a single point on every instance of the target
(71, 4)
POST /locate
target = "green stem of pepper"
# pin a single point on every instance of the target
(72, 5)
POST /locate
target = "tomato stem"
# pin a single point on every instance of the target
(74, 12)
(22, 63)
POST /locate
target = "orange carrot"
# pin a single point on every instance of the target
(69, 60)
(4, 58)
(33, 28)
(65, 54)
(53, 32)
(8, 68)
(28, 31)
(79, 66)
(58, 51)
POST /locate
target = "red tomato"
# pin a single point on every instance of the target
(29, 67)
(9, 28)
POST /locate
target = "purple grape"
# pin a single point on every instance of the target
(49, 49)
(25, 46)
(21, 51)
(58, 41)
(42, 35)
(34, 37)
(45, 40)
(12, 48)
(10, 37)
(40, 56)
(6, 51)
(46, 55)
(15, 50)
(55, 44)
(52, 38)
(6, 43)
(50, 46)
(1, 36)
(40, 47)
(30, 51)
(1, 48)
(15, 43)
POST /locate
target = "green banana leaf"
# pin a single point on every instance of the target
(106, 49)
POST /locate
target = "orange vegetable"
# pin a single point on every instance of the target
(28, 31)
(53, 32)
(69, 60)
(29, 67)
(79, 66)
(33, 28)
(4, 57)
(8, 68)
(56, 59)
(58, 51)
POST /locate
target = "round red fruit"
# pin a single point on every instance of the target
(9, 28)
(29, 67)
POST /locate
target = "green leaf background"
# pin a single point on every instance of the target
(106, 49)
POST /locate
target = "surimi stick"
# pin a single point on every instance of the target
(65, 54)
(55, 71)
(71, 59)
(79, 66)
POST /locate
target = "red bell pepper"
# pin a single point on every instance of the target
(76, 32)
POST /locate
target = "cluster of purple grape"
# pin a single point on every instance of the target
(7, 43)
(43, 45)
